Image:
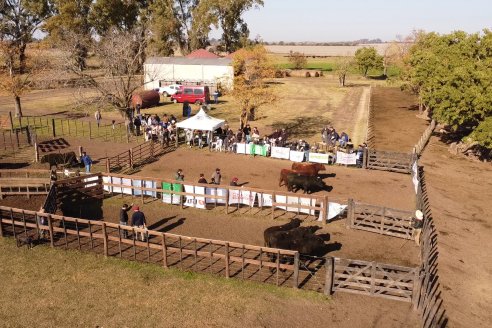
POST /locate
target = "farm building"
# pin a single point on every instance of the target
(160, 71)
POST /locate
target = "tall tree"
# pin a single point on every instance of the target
(342, 69)
(252, 69)
(229, 14)
(107, 14)
(297, 59)
(70, 24)
(367, 58)
(19, 19)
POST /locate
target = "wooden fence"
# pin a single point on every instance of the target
(389, 161)
(229, 259)
(419, 147)
(427, 297)
(378, 219)
(79, 188)
(24, 182)
(13, 140)
(57, 127)
(137, 156)
(370, 278)
(113, 181)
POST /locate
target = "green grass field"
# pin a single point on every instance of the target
(46, 287)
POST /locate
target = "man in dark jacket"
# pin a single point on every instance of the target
(417, 225)
(124, 218)
(137, 123)
(138, 221)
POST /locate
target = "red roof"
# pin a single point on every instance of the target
(202, 53)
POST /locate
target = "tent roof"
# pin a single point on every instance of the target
(201, 121)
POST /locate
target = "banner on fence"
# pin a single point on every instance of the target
(318, 158)
(195, 201)
(293, 200)
(265, 200)
(261, 150)
(118, 182)
(280, 152)
(126, 182)
(242, 197)
(91, 179)
(150, 184)
(179, 188)
(166, 197)
(215, 192)
(334, 210)
(415, 178)
(346, 159)
(296, 156)
(137, 184)
(107, 180)
(241, 148)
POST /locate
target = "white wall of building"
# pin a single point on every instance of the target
(174, 72)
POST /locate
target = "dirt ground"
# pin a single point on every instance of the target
(459, 193)
(396, 127)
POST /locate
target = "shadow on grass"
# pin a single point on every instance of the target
(302, 127)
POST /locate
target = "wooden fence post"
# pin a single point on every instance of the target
(350, 213)
(373, 278)
(330, 274)
(36, 152)
(1, 226)
(130, 156)
(105, 236)
(53, 127)
(164, 250)
(11, 122)
(325, 212)
(296, 270)
(227, 260)
(416, 289)
(273, 206)
(90, 130)
(365, 158)
(50, 227)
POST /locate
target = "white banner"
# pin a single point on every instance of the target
(241, 148)
(137, 191)
(415, 178)
(150, 184)
(346, 159)
(91, 179)
(280, 152)
(212, 192)
(307, 202)
(241, 197)
(296, 156)
(334, 209)
(265, 200)
(195, 201)
(318, 158)
(107, 180)
(127, 182)
(116, 181)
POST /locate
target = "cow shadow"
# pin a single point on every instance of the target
(327, 175)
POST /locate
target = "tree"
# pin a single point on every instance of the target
(11, 81)
(342, 69)
(297, 59)
(108, 14)
(367, 58)
(70, 23)
(120, 53)
(453, 77)
(229, 14)
(19, 19)
(252, 69)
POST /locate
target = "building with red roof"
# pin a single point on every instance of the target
(202, 53)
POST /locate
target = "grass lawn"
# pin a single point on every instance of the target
(46, 287)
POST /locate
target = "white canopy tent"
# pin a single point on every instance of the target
(201, 121)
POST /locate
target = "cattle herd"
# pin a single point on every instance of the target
(303, 176)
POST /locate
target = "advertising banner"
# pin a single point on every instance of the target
(346, 159)
(280, 152)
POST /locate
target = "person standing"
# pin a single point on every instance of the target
(137, 123)
(216, 176)
(202, 178)
(87, 161)
(53, 176)
(98, 117)
(234, 182)
(124, 218)
(417, 224)
(138, 221)
(179, 175)
(247, 133)
(216, 96)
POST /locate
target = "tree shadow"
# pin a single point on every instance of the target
(301, 127)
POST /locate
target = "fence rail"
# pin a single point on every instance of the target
(197, 254)
(24, 182)
(419, 147)
(57, 127)
(389, 161)
(372, 279)
(378, 219)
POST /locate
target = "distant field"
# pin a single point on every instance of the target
(332, 51)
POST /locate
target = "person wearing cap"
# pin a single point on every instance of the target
(234, 182)
(417, 224)
(216, 176)
(138, 221)
(202, 178)
(124, 218)
(179, 175)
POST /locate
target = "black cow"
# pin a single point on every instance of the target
(288, 226)
(306, 183)
(286, 237)
(60, 159)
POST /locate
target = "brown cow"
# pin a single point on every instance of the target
(285, 172)
(310, 169)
